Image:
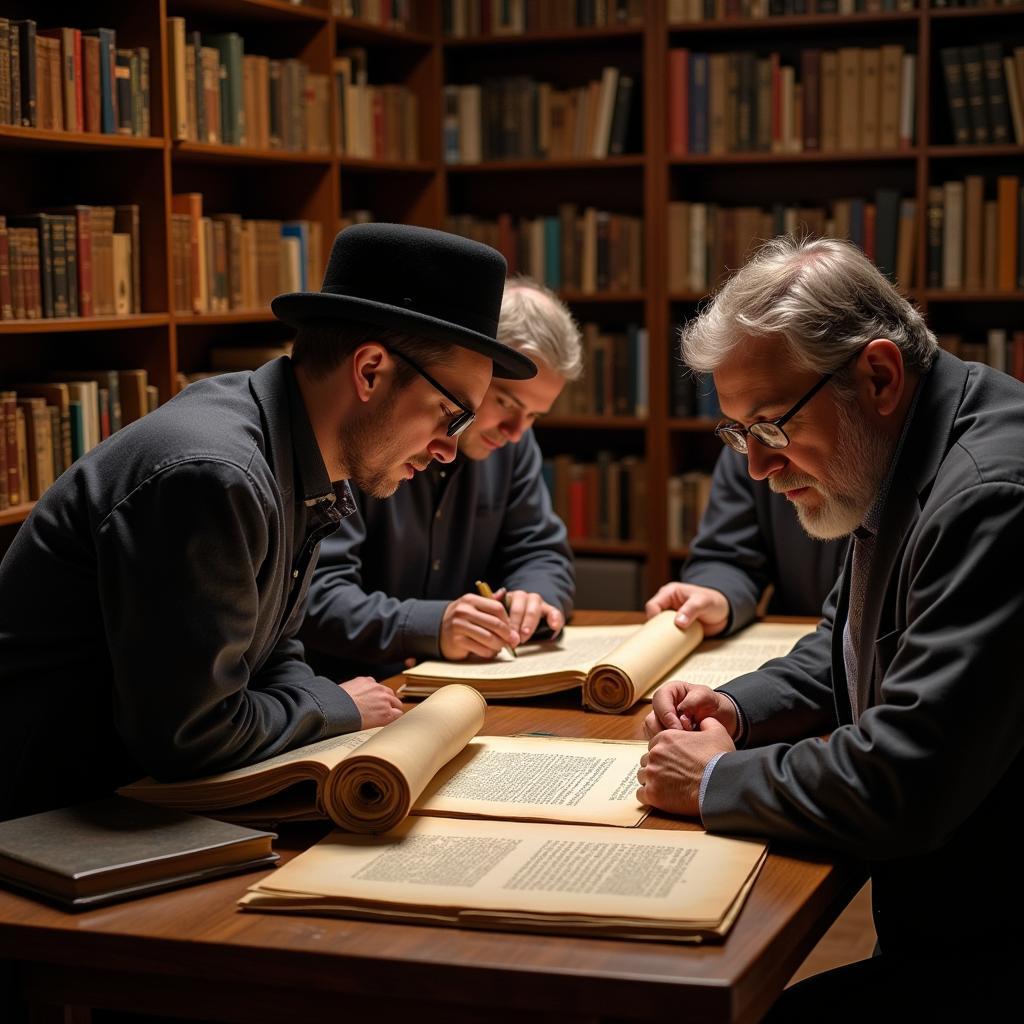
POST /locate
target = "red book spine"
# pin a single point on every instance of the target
(678, 102)
(79, 91)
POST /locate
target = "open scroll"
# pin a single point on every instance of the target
(429, 761)
(614, 666)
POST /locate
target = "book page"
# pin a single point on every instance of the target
(573, 653)
(718, 661)
(522, 870)
(252, 782)
(540, 778)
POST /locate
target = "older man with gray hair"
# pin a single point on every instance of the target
(397, 579)
(837, 394)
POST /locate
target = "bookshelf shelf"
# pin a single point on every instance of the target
(504, 166)
(679, 554)
(940, 295)
(42, 138)
(974, 152)
(251, 10)
(575, 298)
(978, 12)
(686, 296)
(692, 424)
(591, 422)
(236, 316)
(609, 547)
(359, 163)
(71, 325)
(218, 153)
(784, 22)
(16, 514)
(353, 30)
(831, 157)
(570, 36)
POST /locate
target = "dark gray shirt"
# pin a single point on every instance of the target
(385, 578)
(149, 604)
(750, 537)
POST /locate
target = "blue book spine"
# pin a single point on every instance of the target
(707, 398)
(552, 252)
(857, 222)
(300, 230)
(108, 60)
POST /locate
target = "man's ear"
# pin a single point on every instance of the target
(370, 367)
(883, 376)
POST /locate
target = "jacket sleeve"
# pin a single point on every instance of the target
(178, 562)
(918, 762)
(346, 622)
(730, 552)
(532, 552)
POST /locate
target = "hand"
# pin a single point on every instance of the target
(673, 767)
(691, 604)
(376, 703)
(472, 624)
(525, 610)
(686, 706)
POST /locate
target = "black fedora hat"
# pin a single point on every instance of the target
(426, 282)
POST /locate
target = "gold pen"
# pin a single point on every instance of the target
(485, 591)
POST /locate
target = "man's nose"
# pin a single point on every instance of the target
(762, 461)
(443, 448)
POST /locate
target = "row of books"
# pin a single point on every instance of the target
(985, 92)
(853, 99)
(78, 261)
(461, 18)
(376, 121)
(72, 80)
(520, 118)
(690, 395)
(1002, 349)
(220, 94)
(615, 382)
(706, 241)
(592, 251)
(390, 13)
(45, 426)
(975, 237)
(605, 500)
(729, 10)
(223, 262)
(687, 495)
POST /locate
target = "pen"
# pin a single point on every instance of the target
(485, 591)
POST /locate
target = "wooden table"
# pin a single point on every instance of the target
(190, 953)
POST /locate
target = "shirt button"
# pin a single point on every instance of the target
(437, 514)
(443, 474)
(295, 574)
(436, 565)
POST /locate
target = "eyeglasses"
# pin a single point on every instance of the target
(770, 432)
(462, 419)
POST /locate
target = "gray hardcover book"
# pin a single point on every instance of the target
(116, 848)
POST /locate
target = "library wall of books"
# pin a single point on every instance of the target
(168, 166)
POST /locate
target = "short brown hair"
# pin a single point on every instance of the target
(322, 346)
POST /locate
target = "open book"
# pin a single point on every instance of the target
(426, 762)
(614, 665)
(641, 884)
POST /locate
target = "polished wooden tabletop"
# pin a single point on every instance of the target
(191, 952)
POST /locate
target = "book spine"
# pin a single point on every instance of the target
(6, 296)
(27, 48)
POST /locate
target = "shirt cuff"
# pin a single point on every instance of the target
(740, 739)
(705, 779)
(420, 630)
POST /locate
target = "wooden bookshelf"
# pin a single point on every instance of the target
(279, 184)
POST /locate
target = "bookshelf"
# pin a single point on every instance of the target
(329, 186)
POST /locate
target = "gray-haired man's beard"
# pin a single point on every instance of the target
(851, 483)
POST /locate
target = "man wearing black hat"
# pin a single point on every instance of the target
(148, 605)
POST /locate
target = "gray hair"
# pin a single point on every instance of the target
(537, 323)
(823, 297)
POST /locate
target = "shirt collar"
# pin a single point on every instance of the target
(313, 479)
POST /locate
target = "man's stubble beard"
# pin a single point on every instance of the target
(368, 453)
(859, 465)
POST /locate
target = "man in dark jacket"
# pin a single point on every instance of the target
(397, 579)
(842, 402)
(149, 604)
(749, 539)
